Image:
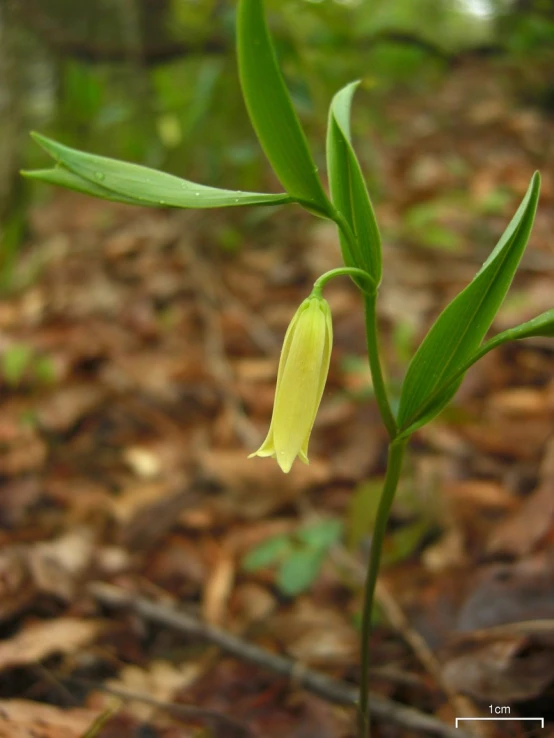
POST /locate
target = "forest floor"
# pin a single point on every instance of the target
(138, 370)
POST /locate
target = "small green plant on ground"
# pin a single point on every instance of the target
(298, 556)
(453, 344)
(20, 362)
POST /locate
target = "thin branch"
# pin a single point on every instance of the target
(323, 686)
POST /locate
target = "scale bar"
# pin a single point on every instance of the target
(501, 718)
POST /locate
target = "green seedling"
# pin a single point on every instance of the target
(20, 362)
(297, 557)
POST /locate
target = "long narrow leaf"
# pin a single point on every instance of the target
(148, 186)
(460, 328)
(64, 178)
(542, 325)
(270, 109)
(348, 189)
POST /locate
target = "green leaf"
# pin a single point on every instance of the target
(15, 362)
(403, 542)
(439, 364)
(362, 511)
(542, 325)
(44, 370)
(348, 189)
(271, 112)
(267, 553)
(64, 178)
(300, 570)
(147, 186)
(321, 535)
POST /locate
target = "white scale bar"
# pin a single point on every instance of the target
(501, 718)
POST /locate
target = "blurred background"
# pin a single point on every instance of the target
(139, 347)
(155, 80)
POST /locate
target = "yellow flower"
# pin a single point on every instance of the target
(301, 378)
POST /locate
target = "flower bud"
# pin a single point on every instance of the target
(301, 378)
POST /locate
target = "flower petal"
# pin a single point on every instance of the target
(301, 377)
(267, 448)
(298, 395)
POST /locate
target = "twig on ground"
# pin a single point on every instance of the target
(329, 689)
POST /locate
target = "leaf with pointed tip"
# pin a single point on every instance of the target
(148, 186)
(434, 372)
(271, 112)
(542, 325)
(348, 188)
(64, 178)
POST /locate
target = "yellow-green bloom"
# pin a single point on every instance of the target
(301, 378)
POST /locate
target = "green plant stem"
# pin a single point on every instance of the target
(350, 248)
(394, 466)
(320, 282)
(379, 386)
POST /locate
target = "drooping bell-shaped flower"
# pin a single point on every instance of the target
(301, 378)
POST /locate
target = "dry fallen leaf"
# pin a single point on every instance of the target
(508, 593)
(27, 719)
(57, 567)
(145, 463)
(256, 487)
(40, 640)
(501, 669)
(49, 567)
(218, 587)
(145, 511)
(60, 410)
(21, 448)
(525, 529)
(316, 635)
(160, 680)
